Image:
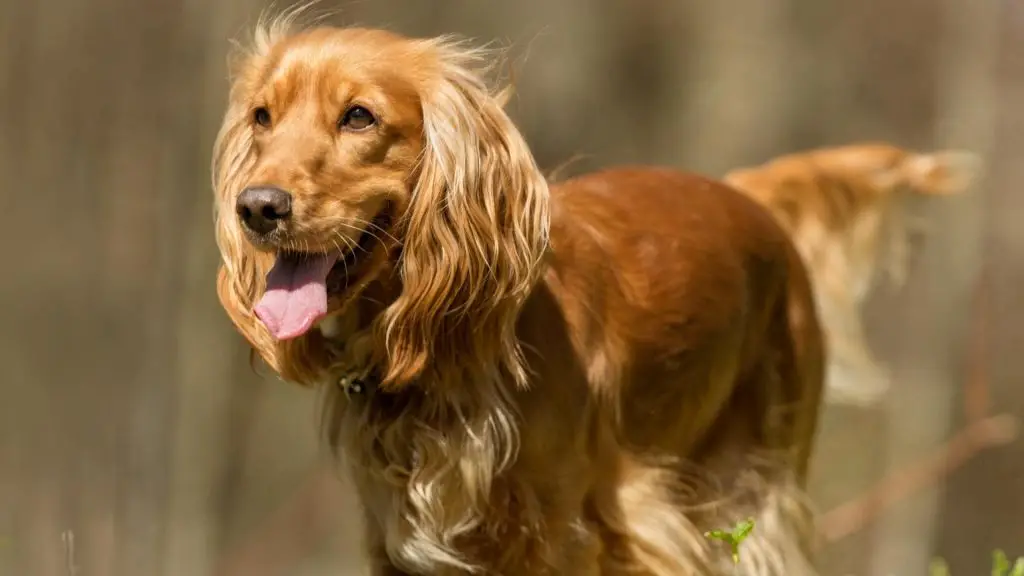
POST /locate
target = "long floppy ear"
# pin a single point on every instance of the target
(242, 274)
(475, 233)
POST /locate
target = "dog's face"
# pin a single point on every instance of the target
(336, 130)
(351, 157)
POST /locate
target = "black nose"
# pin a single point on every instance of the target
(262, 207)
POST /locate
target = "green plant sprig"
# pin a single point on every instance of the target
(736, 536)
(1000, 566)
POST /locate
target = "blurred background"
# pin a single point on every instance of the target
(136, 438)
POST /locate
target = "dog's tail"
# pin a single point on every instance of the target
(817, 195)
(940, 173)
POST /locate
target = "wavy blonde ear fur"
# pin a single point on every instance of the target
(476, 230)
(242, 274)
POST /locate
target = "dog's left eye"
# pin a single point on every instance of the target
(356, 118)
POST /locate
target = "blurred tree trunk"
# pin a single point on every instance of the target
(211, 357)
(176, 449)
(934, 333)
(867, 77)
(738, 104)
(984, 504)
(69, 403)
(150, 152)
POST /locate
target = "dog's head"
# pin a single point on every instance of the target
(350, 157)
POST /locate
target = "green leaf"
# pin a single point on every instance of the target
(719, 535)
(1018, 568)
(1000, 564)
(743, 529)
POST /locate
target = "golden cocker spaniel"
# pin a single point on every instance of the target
(524, 378)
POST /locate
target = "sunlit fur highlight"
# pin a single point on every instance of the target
(849, 211)
(450, 454)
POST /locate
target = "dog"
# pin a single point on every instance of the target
(850, 211)
(523, 378)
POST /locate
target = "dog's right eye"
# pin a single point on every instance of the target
(261, 116)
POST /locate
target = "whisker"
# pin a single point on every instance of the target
(361, 231)
(369, 229)
(348, 247)
(372, 300)
(382, 229)
(340, 251)
(348, 242)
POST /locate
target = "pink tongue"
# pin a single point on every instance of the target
(296, 295)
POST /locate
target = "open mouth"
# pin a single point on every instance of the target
(300, 283)
(350, 266)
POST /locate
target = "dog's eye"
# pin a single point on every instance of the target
(261, 116)
(356, 118)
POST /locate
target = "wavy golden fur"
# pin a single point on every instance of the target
(576, 379)
(848, 208)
